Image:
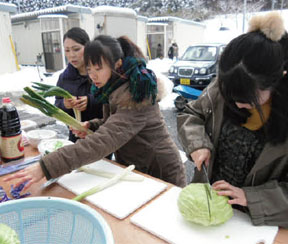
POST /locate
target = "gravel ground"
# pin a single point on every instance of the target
(169, 116)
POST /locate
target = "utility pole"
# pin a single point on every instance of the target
(18, 6)
(282, 3)
(273, 3)
(244, 15)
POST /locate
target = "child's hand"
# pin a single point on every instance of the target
(32, 174)
(201, 156)
(236, 194)
(81, 134)
(68, 102)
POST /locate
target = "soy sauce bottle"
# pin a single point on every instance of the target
(11, 144)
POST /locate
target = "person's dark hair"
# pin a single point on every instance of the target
(110, 49)
(78, 35)
(253, 62)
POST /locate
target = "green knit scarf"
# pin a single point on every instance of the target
(142, 82)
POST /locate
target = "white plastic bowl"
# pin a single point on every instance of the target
(36, 136)
(47, 146)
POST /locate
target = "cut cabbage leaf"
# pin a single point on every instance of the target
(193, 205)
(8, 235)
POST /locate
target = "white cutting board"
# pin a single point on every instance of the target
(120, 199)
(163, 219)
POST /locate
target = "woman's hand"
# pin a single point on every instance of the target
(81, 103)
(81, 134)
(68, 102)
(225, 189)
(201, 155)
(32, 174)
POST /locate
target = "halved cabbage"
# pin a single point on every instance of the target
(8, 235)
(193, 205)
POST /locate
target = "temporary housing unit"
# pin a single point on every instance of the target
(166, 30)
(38, 35)
(116, 21)
(8, 61)
(142, 34)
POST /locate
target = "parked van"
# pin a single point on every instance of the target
(197, 67)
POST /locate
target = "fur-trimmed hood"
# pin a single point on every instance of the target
(123, 98)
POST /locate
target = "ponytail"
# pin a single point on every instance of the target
(129, 48)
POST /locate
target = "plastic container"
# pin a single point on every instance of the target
(36, 136)
(51, 145)
(52, 220)
(11, 145)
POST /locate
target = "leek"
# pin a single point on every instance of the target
(36, 100)
(104, 185)
(49, 91)
(106, 174)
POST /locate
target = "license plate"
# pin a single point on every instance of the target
(185, 81)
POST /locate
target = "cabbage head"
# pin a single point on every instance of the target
(8, 235)
(193, 205)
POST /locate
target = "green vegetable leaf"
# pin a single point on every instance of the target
(194, 206)
(8, 235)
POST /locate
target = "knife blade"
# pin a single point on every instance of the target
(208, 189)
(49, 182)
(208, 185)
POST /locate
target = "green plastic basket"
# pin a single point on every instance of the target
(52, 220)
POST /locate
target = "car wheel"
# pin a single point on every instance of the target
(180, 102)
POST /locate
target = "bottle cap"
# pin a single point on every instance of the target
(6, 100)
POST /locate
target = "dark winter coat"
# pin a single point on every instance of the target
(266, 185)
(78, 85)
(135, 132)
(170, 52)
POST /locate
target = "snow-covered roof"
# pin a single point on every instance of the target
(165, 19)
(142, 18)
(53, 16)
(8, 7)
(66, 9)
(116, 11)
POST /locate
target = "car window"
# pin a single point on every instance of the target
(200, 53)
(221, 49)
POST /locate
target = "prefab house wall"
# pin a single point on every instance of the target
(8, 63)
(86, 22)
(142, 34)
(187, 34)
(115, 21)
(27, 38)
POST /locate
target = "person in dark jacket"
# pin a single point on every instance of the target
(75, 80)
(159, 51)
(238, 126)
(170, 52)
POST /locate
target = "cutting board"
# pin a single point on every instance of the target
(163, 219)
(119, 200)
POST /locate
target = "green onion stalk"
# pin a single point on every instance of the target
(36, 100)
(106, 184)
(48, 91)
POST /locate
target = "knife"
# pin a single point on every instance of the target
(49, 182)
(208, 185)
(208, 188)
